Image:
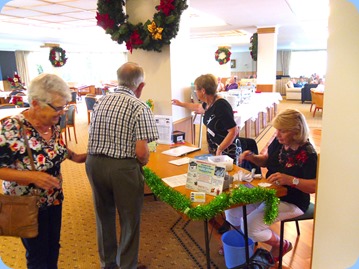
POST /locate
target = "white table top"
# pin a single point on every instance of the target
(259, 102)
(5, 112)
(4, 94)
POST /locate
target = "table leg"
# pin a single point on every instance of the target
(247, 128)
(257, 125)
(206, 239)
(264, 120)
(245, 233)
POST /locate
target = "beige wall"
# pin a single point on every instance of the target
(336, 234)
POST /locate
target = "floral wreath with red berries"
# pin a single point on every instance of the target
(57, 57)
(254, 46)
(222, 55)
(152, 35)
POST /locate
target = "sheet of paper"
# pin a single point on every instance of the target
(175, 181)
(181, 161)
(179, 151)
(164, 127)
(264, 184)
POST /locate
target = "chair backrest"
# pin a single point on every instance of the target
(70, 115)
(90, 102)
(73, 97)
(4, 106)
(313, 97)
(15, 92)
(249, 144)
(319, 98)
(63, 122)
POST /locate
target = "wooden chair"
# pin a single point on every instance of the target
(70, 120)
(90, 102)
(313, 99)
(319, 98)
(308, 215)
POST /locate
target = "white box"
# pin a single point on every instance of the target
(222, 159)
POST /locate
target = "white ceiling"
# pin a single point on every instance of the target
(301, 24)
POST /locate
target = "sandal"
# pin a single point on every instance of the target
(287, 246)
(221, 251)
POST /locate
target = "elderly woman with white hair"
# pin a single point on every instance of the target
(291, 161)
(48, 96)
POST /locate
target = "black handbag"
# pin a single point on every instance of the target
(261, 259)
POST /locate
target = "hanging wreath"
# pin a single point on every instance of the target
(242, 195)
(149, 36)
(57, 57)
(254, 46)
(222, 55)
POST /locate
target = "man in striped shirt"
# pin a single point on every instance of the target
(120, 128)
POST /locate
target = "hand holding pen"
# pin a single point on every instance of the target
(246, 155)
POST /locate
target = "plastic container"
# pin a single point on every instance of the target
(222, 159)
(234, 248)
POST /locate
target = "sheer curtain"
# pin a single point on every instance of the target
(285, 59)
(21, 58)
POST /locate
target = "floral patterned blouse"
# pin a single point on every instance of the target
(47, 155)
(301, 163)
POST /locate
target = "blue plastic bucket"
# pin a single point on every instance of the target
(234, 248)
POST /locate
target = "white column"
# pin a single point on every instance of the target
(166, 72)
(267, 59)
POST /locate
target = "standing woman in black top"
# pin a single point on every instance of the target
(222, 130)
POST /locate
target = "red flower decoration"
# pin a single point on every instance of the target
(16, 81)
(290, 159)
(135, 40)
(104, 21)
(166, 6)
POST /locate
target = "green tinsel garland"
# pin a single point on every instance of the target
(221, 202)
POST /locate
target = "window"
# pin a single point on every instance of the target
(81, 67)
(306, 63)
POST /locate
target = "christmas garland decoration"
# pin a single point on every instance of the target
(254, 46)
(182, 204)
(222, 55)
(57, 56)
(152, 35)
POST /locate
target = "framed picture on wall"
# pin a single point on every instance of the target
(233, 63)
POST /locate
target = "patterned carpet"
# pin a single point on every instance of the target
(164, 242)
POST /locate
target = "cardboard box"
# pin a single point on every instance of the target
(178, 137)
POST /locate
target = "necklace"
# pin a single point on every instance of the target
(46, 132)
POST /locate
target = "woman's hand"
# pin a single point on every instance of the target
(45, 181)
(246, 155)
(280, 179)
(176, 102)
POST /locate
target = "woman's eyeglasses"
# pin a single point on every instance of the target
(58, 108)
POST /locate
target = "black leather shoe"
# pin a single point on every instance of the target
(224, 228)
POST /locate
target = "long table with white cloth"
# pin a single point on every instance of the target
(250, 109)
